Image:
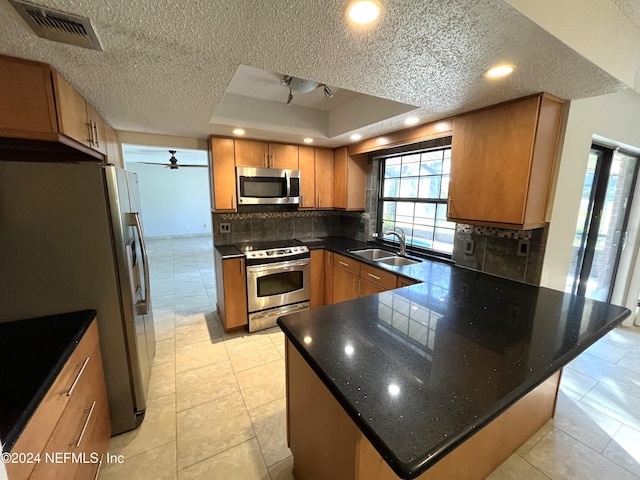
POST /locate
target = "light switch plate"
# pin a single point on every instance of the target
(225, 228)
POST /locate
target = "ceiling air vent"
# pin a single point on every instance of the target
(58, 26)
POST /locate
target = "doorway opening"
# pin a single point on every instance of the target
(601, 230)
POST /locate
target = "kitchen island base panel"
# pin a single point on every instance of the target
(327, 444)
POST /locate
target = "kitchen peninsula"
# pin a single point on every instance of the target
(443, 379)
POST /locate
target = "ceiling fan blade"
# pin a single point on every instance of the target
(153, 163)
(192, 165)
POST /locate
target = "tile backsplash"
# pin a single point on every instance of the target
(252, 227)
(498, 251)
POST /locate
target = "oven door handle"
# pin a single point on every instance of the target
(281, 311)
(278, 266)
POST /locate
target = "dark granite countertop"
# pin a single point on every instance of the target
(228, 251)
(419, 369)
(33, 353)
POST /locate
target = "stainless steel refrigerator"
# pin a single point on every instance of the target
(71, 238)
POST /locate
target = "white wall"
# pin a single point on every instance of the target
(615, 117)
(173, 199)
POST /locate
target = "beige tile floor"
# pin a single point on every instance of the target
(216, 406)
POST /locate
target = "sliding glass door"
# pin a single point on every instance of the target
(602, 222)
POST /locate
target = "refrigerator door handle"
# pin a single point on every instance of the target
(144, 304)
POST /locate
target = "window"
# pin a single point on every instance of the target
(413, 196)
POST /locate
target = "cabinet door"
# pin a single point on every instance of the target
(405, 282)
(491, 155)
(114, 153)
(328, 277)
(317, 278)
(97, 125)
(349, 180)
(249, 153)
(283, 156)
(368, 288)
(26, 96)
(235, 293)
(324, 178)
(340, 178)
(224, 174)
(345, 285)
(72, 111)
(307, 178)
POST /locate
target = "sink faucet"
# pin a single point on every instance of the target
(402, 238)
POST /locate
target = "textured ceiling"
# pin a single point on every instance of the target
(167, 65)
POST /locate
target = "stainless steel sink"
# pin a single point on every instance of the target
(373, 253)
(384, 256)
(397, 261)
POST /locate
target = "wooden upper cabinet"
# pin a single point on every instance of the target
(250, 153)
(307, 178)
(97, 125)
(283, 156)
(114, 152)
(26, 95)
(324, 178)
(223, 184)
(349, 180)
(72, 111)
(316, 172)
(502, 161)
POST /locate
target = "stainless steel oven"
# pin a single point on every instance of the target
(278, 283)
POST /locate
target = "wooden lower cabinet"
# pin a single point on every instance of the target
(317, 278)
(231, 282)
(71, 427)
(328, 277)
(353, 279)
(328, 444)
(345, 285)
(405, 282)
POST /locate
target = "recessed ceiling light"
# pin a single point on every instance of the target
(500, 71)
(411, 120)
(355, 137)
(308, 140)
(364, 11)
(238, 131)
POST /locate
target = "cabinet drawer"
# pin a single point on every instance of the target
(40, 427)
(73, 433)
(346, 263)
(378, 277)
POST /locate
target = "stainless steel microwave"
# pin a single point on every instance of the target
(267, 186)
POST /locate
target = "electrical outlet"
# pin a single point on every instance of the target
(469, 246)
(524, 246)
(225, 228)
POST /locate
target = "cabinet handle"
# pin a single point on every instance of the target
(233, 198)
(241, 267)
(90, 139)
(75, 382)
(373, 276)
(266, 160)
(342, 263)
(95, 130)
(302, 200)
(318, 200)
(86, 424)
(273, 159)
(353, 286)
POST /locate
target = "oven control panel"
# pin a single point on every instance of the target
(276, 252)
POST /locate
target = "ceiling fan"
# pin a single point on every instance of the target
(173, 162)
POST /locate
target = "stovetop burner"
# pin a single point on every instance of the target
(270, 251)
